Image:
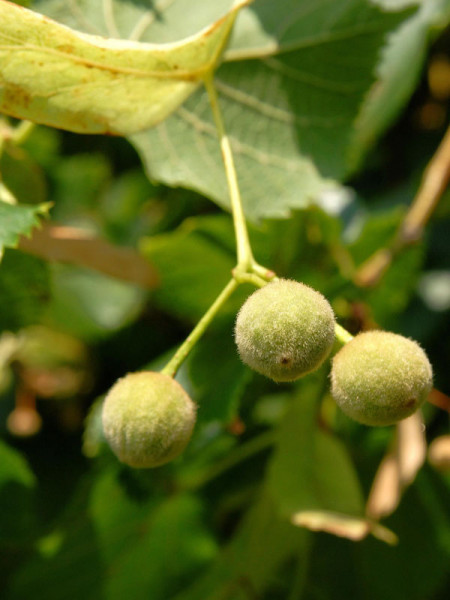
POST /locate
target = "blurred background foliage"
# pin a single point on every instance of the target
(116, 279)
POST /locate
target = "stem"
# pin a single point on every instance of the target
(22, 131)
(180, 355)
(434, 183)
(342, 335)
(244, 251)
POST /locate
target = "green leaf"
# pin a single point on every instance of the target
(217, 390)
(193, 270)
(290, 88)
(16, 485)
(136, 20)
(398, 72)
(24, 290)
(310, 469)
(150, 546)
(262, 544)
(22, 175)
(91, 305)
(17, 220)
(60, 77)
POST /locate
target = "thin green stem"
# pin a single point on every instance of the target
(180, 355)
(244, 251)
(342, 335)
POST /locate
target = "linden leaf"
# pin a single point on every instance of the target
(17, 220)
(60, 77)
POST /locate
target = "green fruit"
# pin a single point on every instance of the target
(285, 330)
(147, 419)
(379, 378)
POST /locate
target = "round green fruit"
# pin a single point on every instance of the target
(285, 330)
(379, 378)
(147, 419)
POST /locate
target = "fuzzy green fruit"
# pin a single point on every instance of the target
(147, 419)
(379, 378)
(285, 330)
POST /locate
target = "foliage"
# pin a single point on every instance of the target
(115, 247)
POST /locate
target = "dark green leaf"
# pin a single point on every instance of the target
(24, 290)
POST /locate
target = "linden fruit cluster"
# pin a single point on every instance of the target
(286, 330)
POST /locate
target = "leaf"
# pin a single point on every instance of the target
(417, 567)
(398, 468)
(138, 20)
(249, 564)
(312, 479)
(22, 175)
(219, 389)
(17, 220)
(193, 269)
(310, 469)
(53, 75)
(16, 485)
(150, 546)
(292, 83)
(90, 304)
(398, 73)
(24, 290)
(352, 528)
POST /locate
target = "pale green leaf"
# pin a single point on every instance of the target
(139, 20)
(17, 220)
(290, 90)
(60, 77)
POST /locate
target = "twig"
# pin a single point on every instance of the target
(434, 182)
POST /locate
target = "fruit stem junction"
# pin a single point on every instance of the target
(247, 269)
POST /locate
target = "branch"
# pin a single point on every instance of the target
(76, 246)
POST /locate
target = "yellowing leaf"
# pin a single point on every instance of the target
(352, 528)
(54, 75)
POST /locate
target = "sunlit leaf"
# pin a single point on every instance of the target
(290, 89)
(60, 77)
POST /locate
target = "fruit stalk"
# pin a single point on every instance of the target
(180, 355)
